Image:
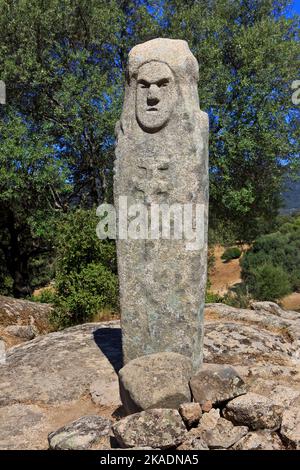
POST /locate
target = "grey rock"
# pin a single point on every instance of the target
(23, 312)
(105, 390)
(190, 413)
(140, 448)
(80, 434)
(217, 432)
(238, 344)
(259, 440)
(254, 411)
(264, 377)
(273, 308)
(216, 383)
(290, 427)
(27, 332)
(17, 418)
(285, 396)
(45, 383)
(162, 158)
(133, 448)
(160, 428)
(59, 366)
(155, 381)
(244, 336)
(193, 443)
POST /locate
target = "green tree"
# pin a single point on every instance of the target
(30, 179)
(280, 250)
(248, 52)
(62, 61)
(269, 282)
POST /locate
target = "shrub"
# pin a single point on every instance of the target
(47, 296)
(231, 253)
(211, 298)
(277, 249)
(86, 270)
(239, 297)
(84, 294)
(269, 282)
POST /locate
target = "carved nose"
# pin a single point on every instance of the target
(152, 98)
(152, 101)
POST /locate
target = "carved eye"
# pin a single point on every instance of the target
(163, 83)
(143, 84)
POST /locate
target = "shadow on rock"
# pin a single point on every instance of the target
(109, 341)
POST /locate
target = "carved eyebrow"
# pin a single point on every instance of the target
(163, 81)
(144, 83)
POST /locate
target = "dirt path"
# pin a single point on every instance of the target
(224, 275)
(291, 302)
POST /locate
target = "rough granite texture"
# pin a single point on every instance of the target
(190, 413)
(162, 158)
(217, 432)
(259, 440)
(254, 411)
(216, 383)
(158, 428)
(56, 379)
(81, 434)
(158, 380)
(290, 427)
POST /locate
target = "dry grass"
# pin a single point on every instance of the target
(106, 314)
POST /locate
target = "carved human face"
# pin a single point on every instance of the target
(155, 96)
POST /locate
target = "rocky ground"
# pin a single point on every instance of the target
(54, 379)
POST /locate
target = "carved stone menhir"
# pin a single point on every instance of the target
(162, 158)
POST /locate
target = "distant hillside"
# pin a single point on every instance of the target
(291, 197)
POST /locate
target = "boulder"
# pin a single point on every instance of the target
(274, 309)
(45, 382)
(157, 428)
(104, 391)
(290, 427)
(263, 378)
(244, 336)
(59, 366)
(216, 383)
(259, 440)
(20, 425)
(217, 432)
(57, 378)
(23, 312)
(285, 396)
(190, 413)
(81, 434)
(27, 332)
(254, 411)
(238, 344)
(159, 380)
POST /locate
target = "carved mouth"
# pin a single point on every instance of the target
(152, 109)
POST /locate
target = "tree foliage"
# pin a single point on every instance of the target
(86, 271)
(63, 62)
(275, 254)
(248, 55)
